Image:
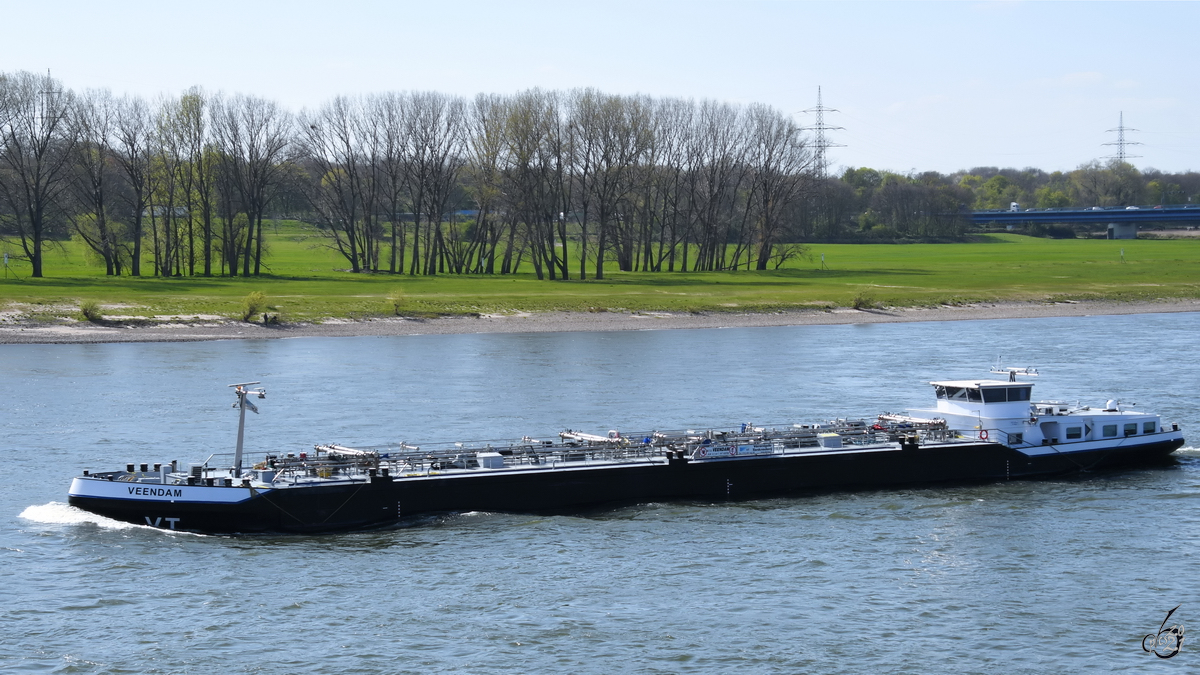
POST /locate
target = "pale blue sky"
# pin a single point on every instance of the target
(919, 85)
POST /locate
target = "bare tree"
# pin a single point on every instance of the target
(584, 140)
(190, 127)
(532, 121)
(435, 133)
(38, 137)
(94, 176)
(339, 185)
(635, 139)
(484, 146)
(330, 149)
(714, 174)
(133, 144)
(387, 113)
(780, 165)
(169, 190)
(612, 135)
(253, 135)
(672, 134)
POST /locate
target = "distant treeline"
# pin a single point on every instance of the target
(428, 183)
(871, 201)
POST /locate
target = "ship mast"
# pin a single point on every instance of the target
(242, 404)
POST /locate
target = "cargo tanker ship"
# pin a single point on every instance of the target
(978, 430)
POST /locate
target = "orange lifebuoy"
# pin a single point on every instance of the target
(983, 434)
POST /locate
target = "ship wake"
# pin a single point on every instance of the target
(59, 513)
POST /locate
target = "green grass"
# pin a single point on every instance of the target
(304, 282)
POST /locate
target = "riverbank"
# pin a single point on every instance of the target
(69, 331)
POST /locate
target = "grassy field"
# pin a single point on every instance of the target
(306, 282)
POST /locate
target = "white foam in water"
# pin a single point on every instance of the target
(58, 513)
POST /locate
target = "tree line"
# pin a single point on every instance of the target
(1094, 183)
(566, 183)
(869, 204)
(182, 184)
(415, 182)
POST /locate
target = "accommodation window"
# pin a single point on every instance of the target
(1018, 393)
(1110, 430)
(1148, 428)
(1074, 433)
(973, 396)
(1131, 429)
(995, 395)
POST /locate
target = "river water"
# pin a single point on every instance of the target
(1020, 577)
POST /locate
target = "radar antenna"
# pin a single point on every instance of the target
(1013, 372)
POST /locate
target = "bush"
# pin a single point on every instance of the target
(90, 309)
(863, 301)
(252, 304)
(396, 300)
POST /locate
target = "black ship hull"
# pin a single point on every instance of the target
(383, 500)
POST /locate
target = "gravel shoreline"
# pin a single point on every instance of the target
(82, 332)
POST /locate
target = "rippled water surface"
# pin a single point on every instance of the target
(1048, 576)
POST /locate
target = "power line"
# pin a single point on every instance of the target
(1121, 142)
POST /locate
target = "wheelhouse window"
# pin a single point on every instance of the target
(956, 393)
(1131, 429)
(1074, 433)
(1148, 428)
(1110, 430)
(1006, 394)
(986, 395)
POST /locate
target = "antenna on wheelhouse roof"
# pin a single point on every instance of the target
(1012, 373)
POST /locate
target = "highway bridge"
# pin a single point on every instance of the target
(1121, 215)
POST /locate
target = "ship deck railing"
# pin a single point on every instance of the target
(333, 461)
(649, 446)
